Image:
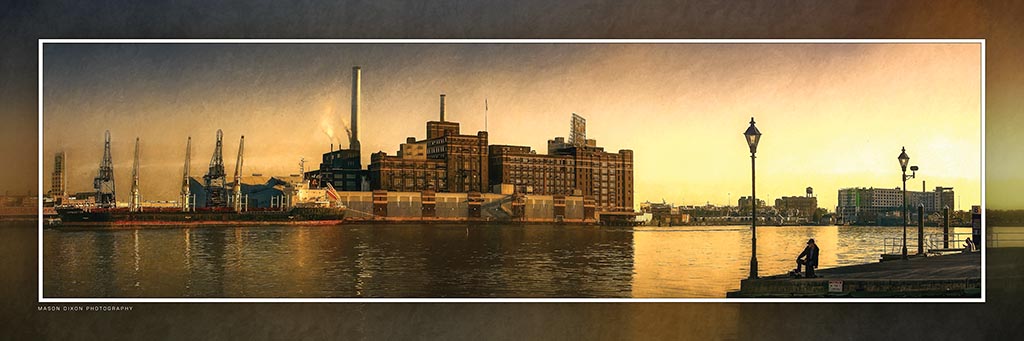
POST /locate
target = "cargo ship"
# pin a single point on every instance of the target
(114, 217)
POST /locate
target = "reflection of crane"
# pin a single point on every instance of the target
(135, 202)
(213, 181)
(104, 181)
(186, 192)
(237, 195)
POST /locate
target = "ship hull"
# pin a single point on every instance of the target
(107, 218)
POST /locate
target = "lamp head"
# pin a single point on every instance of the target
(904, 159)
(753, 136)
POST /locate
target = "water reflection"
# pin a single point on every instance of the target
(434, 260)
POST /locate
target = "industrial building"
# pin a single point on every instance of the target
(578, 167)
(448, 161)
(256, 191)
(343, 168)
(532, 173)
(407, 173)
(58, 182)
(794, 206)
(744, 203)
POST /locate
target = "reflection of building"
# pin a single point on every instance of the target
(804, 206)
(884, 205)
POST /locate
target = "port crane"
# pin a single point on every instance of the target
(237, 194)
(186, 190)
(104, 181)
(135, 202)
(214, 180)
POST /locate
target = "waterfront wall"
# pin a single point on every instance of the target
(428, 205)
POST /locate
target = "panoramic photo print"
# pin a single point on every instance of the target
(194, 170)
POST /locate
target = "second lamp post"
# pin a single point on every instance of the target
(904, 160)
(753, 136)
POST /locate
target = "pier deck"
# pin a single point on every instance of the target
(955, 275)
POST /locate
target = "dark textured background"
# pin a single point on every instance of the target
(23, 22)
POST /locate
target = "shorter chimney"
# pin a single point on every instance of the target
(442, 107)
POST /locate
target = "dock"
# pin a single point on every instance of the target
(953, 275)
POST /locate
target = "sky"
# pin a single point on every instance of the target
(832, 115)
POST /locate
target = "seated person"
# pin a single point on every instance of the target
(968, 245)
(811, 252)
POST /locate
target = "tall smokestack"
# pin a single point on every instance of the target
(353, 142)
(442, 107)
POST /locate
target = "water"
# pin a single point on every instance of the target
(437, 260)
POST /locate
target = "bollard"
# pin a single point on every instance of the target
(920, 230)
(945, 227)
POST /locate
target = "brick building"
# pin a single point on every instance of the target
(532, 173)
(446, 161)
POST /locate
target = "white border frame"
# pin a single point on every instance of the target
(984, 283)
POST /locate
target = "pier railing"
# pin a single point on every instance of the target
(956, 241)
(894, 246)
(1004, 238)
(934, 242)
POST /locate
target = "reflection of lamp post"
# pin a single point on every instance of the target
(904, 159)
(753, 137)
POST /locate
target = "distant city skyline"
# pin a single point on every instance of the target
(833, 115)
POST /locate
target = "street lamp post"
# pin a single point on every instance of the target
(753, 137)
(904, 160)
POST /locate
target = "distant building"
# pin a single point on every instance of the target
(446, 161)
(532, 173)
(258, 191)
(865, 206)
(578, 167)
(342, 169)
(607, 177)
(663, 214)
(744, 203)
(407, 174)
(466, 160)
(58, 182)
(804, 206)
(412, 149)
(449, 161)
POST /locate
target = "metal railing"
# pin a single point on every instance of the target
(956, 241)
(894, 246)
(934, 242)
(1004, 238)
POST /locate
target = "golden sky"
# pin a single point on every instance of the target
(832, 115)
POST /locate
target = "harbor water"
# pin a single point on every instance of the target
(436, 261)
